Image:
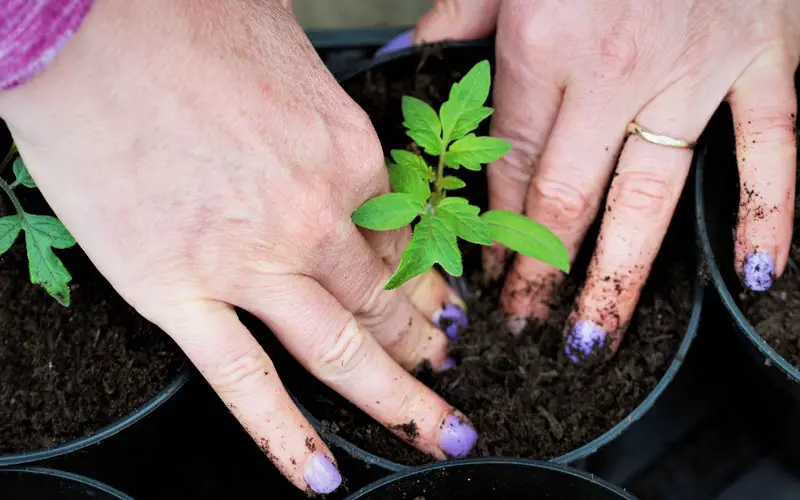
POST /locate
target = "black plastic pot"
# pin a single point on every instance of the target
(717, 200)
(137, 414)
(487, 479)
(50, 484)
(405, 61)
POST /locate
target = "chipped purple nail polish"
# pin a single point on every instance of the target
(321, 475)
(451, 319)
(583, 339)
(457, 437)
(397, 43)
(448, 363)
(758, 269)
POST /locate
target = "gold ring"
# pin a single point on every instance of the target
(661, 140)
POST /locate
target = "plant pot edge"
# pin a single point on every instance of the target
(70, 476)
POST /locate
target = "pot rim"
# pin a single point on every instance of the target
(528, 463)
(742, 323)
(115, 427)
(84, 480)
(592, 446)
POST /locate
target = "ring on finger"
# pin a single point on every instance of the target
(659, 139)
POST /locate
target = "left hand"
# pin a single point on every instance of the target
(572, 75)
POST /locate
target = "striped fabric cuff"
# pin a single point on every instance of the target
(32, 33)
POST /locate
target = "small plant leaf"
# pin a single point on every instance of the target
(388, 211)
(523, 235)
(433, 242)
(427, 140)
(410, 161)
(471, 151)
(450, 182)
(21, 173)
(466, 95)
(463, 219)
(423, 124)
(42, 234)
(453, 199)
(469, 121)
(410, 174)
(10, 227)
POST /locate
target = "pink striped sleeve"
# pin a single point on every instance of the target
(32, 32)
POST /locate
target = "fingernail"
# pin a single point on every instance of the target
(758, 269)
(516, 324)
(397, 43)
(321, 475)
(451, 319)
(584, 338)
(457, 436)
(448, 363)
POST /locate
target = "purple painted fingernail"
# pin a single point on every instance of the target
(456, 436)
(451, 319)
(399, 42)
(758, 269)
(583, 339)
(321, 475)
(448, 363)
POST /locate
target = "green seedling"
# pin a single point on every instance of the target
(420, 191)
(43, 233)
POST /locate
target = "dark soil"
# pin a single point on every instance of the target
(775, 314)
(523, 395)
(67, 372)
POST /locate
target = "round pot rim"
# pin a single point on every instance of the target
(698, 292)
(742, 323)
(115, 427)
(70, 476)
(535, 464)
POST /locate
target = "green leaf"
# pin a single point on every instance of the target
(10, 227)
(388, 211)
(469, 121)
(433, 242)
(42, 234)
(454, 199)
(423, 124)
(410, 161)
(466, 95)
(464, 220)
(450, 182)
(410, 174)
(427, 140)
(471, 151)
(21, 174)
(521, 234)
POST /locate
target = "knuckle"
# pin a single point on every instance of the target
(619, 53)
(561, 203)
(240, 371)
(643, 192)
(343, 352)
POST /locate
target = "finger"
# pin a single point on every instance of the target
(429, 293)
(457, 20)
(243, 376)
(564, 195)
(526, 105)
(764, 106)
(355, 275)
(332, 345)
(641, 200)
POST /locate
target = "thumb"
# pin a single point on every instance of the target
(457, 20)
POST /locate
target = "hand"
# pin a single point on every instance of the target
(572, 75)
(204, 158)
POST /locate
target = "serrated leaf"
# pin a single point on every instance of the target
(469, 93)
(388, 211)
(455, 199)
(410, 161)
(42, 234)
(464, 220)
(525, 236)
(408, 181)
(10, 227)
(21, 173)
(427, 140)
(469, 121)
(450, 182)
(432, 242)
(472, 151)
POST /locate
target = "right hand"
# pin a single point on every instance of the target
(204, 158)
